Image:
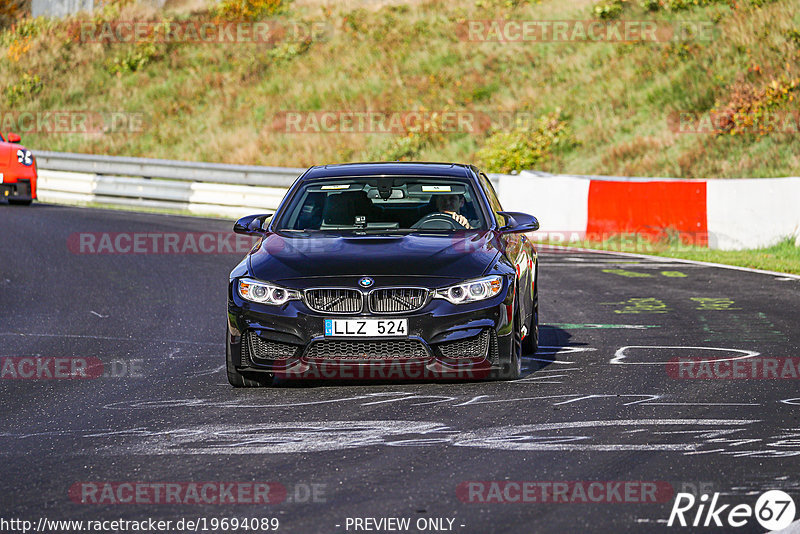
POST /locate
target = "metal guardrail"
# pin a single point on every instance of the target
(201, 188)
(168, 169)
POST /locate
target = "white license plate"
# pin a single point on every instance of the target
(366, 327)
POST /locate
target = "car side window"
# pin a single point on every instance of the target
(494, 202)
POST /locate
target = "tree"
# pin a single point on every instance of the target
(12, 10)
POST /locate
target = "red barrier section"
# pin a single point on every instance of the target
(656, 210)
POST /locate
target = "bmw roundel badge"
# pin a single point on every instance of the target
(366, 282)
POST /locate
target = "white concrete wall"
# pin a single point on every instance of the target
(752, 213)
(559, 202)
(59, 8)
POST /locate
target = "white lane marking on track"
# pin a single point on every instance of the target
(620, 355)
(679, 261)
(647, 265)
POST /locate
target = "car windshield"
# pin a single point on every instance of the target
(383, 204)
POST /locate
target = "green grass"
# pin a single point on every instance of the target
(218, 103)
(783, 257)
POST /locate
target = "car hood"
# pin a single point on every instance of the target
(451, 257)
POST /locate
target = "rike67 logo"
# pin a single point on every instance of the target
(774, 510)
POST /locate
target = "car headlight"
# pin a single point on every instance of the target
(25, 157)
(265, 293)
(471, 290)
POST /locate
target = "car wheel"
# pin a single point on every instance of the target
(240, 380)
(530, 344)
(20, 201)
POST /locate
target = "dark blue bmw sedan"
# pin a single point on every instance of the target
(384, 271)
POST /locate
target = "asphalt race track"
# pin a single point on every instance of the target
(599, 402)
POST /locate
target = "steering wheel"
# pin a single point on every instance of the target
(438, 221)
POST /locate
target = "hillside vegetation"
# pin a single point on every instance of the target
(610, 108)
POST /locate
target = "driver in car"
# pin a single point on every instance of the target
(451, 205)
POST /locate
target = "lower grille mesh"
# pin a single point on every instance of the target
(263, 349)
(473, 347)
(367, 350)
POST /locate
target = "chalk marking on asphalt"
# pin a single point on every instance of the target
(564, 349)
(190, 403)
(476, 399)
(548, 361)
(557, 350)
(703, 404)
(626, 273)
(97, 314)
(647, 399)
(315, 436)
(541, 379)
(593, 326)
(411, 397)
(585, 397)
(620, 355)
(294, 437)
(206, 372)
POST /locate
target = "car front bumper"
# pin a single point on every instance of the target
(20, 189)
(444, 341)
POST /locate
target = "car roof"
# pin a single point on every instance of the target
(391, 168)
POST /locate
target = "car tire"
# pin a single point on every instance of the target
(241, 380)
(530, 343)
(20, 201)
(511, 367)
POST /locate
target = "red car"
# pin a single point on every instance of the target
(17, 171)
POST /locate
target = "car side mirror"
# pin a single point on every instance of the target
(13, 138)
(251, 224)
(519, 223)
